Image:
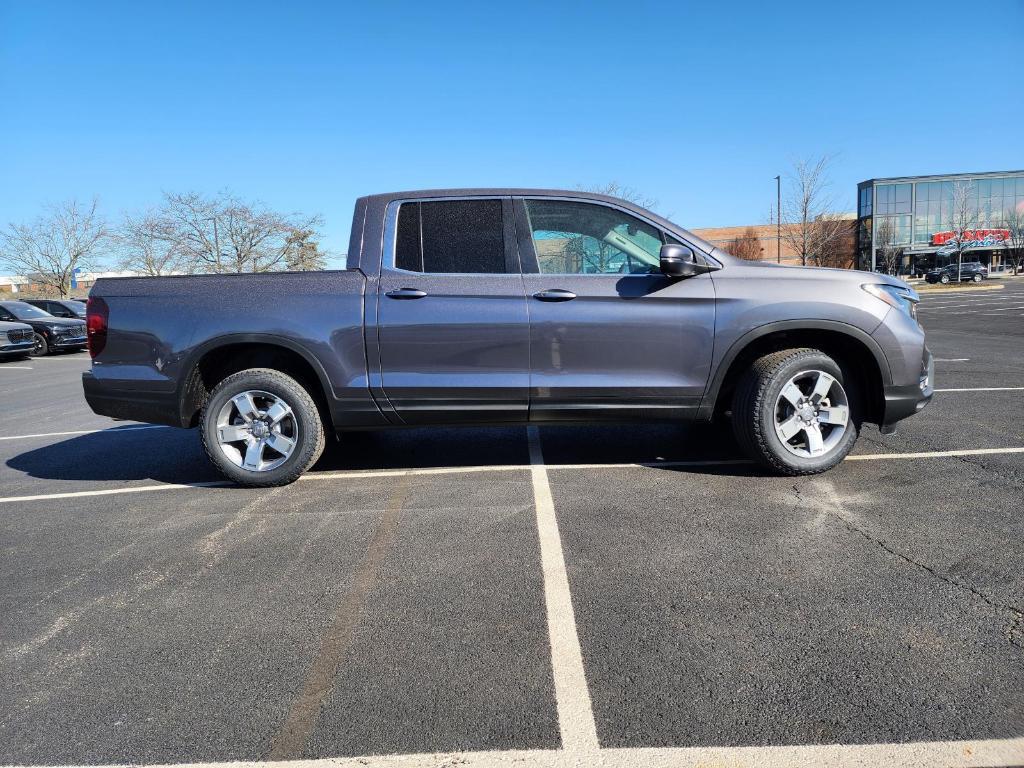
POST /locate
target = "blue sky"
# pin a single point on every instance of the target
(305, 106)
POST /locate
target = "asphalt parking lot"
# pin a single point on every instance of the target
(562, 596)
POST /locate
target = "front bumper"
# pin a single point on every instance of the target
(68, 342)
(17, 348)
(902, 401)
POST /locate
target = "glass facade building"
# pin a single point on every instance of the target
(915, 215)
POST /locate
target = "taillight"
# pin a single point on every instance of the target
(97, 313)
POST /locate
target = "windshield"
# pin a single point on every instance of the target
(24, 311)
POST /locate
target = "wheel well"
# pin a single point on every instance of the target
(846, 350)
(219, 363)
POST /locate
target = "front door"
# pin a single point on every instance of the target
(452, 321)
(611, 337)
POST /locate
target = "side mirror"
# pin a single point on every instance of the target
(680, 261)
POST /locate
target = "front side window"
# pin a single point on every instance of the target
(450, 236)
(590, 239)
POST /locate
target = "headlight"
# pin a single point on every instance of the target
(903, 299)
(3, 337)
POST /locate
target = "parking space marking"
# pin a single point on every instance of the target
(938, 304)
(572, 696)
(980, 753)
(15, 367)
(115, 491)
(934, 454)
(290, 741)
(981, 389)
(114, 431)
(952, 359)
(376, 473)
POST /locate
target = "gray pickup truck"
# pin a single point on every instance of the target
(509, 306)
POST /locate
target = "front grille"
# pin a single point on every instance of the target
(71, 331)
(16, 336)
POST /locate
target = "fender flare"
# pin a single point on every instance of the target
(710, 398)
(200, 351)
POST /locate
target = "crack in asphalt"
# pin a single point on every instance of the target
(835, 508)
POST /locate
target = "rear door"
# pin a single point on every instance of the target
(611, 337)
(453, 328)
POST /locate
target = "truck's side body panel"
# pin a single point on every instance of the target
(160, 328)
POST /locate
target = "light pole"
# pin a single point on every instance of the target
(778, 219)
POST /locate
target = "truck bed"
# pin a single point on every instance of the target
(161, 328)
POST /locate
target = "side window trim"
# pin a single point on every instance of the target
(528, 249)
(389, 235)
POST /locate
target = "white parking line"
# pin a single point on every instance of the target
(114, 491)
(934, 454)
(952, 359)
(575, 714)
(113, 431)
(15, 367)
(927, 754)
(377, 473)
(981, 389)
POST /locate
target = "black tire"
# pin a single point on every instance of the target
(754, 403)
(310, 442)
(41, 348)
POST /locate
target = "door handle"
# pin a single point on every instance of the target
(406, 293)
(555, 294)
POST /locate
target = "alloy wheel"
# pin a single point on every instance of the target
(812, 413)
(257, 430)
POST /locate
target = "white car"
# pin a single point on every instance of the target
(16, 340)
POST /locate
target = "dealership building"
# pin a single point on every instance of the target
(915, 213)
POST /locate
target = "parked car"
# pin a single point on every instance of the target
(16, 340)
(501, 306)
(60, 307)
(973, 271)
(50, 334)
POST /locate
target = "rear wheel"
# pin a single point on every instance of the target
(977, 278)
(944, 279)
(796, 412)
(261, 427)
(40, 347)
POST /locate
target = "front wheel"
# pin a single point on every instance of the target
(977, 278)
(40, 347)
(944, 279)
(261, 428)
(796, 412)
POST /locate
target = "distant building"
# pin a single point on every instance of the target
(918, 209)
(772, 249)
(11, 286)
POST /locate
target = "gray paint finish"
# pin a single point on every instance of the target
(483, 348)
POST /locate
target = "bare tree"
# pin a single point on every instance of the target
(811, 227)
(148, 244)
(69, 235)
(227, 234)
(747, 246)
(1013, 246)
(614, 189)
(885, 237)
(962, 220)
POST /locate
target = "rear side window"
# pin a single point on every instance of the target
(451, 236)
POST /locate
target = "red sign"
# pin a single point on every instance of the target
(994, 235)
